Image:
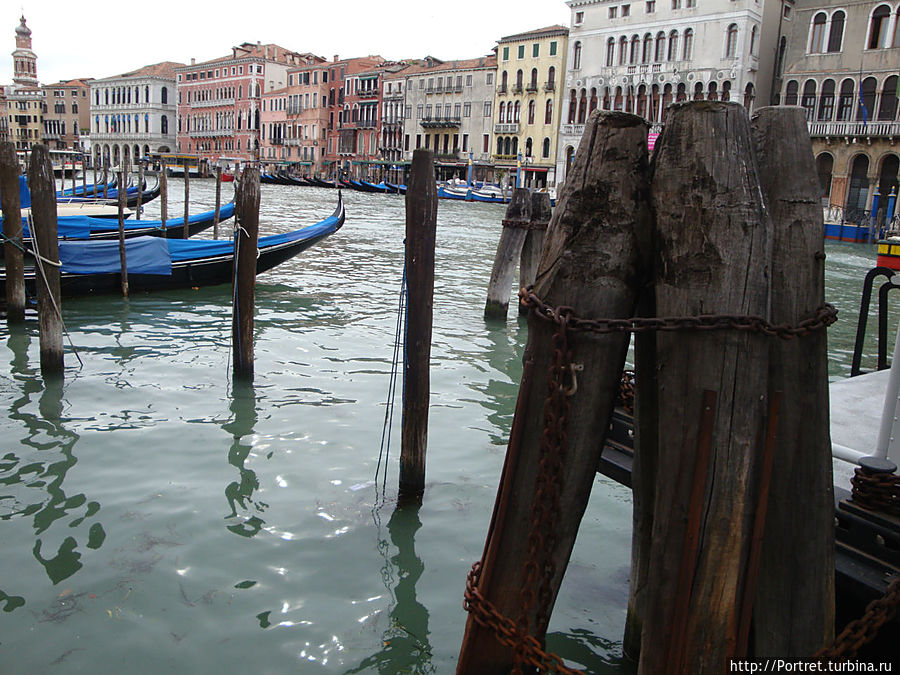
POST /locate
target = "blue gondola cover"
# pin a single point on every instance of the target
(144, 255)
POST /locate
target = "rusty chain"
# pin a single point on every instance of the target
(878, 492)
(825, 315)
(864, 629)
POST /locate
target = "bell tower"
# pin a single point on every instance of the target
(25, 60)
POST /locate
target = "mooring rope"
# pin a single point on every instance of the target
(399, 342)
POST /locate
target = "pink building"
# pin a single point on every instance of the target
(307, 116)
(220, 101)
(273, 153)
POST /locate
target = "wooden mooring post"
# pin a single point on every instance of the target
(421, 228)
(123, 263)
(140, 194)
(218, 202)
(509, 250)
(94, 186)
(12, 230)
(590, 262)
(534, 241)
(42, 184)
(187, 199)
(163, 194)
(84, 175)
(245, 248)
(106, 178)
(796, 573)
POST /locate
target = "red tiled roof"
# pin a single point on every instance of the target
(548, 30)
(165, 69)
(461, 64)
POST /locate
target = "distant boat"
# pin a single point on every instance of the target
(156, 264)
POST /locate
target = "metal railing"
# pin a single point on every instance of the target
(506, 128)
(854, 128)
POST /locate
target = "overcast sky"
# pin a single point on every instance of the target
(83, 39)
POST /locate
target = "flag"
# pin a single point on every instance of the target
(862, 103)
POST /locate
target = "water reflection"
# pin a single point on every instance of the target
(244, 509)
(405, 644)
(41, 462)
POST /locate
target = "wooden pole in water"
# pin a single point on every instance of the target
(245, 245)
(218, 202)
(44, 233)
(509, 250)
(12, 229)
(122, 257)
(140, 193)
(187, 195)
(796, 574)
(603, 207)
(94, 186)
(106, 178)
(421, 227)
(713, 403)
(534, 241)
(163, 194)
(83, 176)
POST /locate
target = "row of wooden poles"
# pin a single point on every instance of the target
(44, 246)
(733, 543)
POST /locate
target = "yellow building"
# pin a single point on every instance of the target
(530, 68)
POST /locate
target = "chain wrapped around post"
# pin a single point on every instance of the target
(561, 385)
(864, 629)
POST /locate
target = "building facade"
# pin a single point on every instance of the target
(273, 130)
(25, 99)
(842, 66)
(641, 56)
(307, 115)
(133, 114)
(67, 115)
(527, 103)
(220, 101)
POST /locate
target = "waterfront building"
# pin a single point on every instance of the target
(67, 115)
(220, 101)
(307, 116)
(4, 116)
(393, 115)
(448, 108)
(25, 99)
(641, 56)
(842, 65)
(272, 132)
(133, 114)
(527, 104)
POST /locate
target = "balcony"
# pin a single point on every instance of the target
(550, 86)
(366, 124)
(854, 129)
(211, 104)
(211, 133)
(440, 123)
(517, 89)
(501, 89)
(531, 88)
(276, 141)
(446, 156)
(367, 93)
(507, 128)
(572, 129)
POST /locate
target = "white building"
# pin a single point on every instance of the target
(133, 114)
(641, 56)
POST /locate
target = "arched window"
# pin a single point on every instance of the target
(548, 112)
(576, 56)
(659, 54)
(623, 50)
(582, 107)
(824, 167)
(845, 100)
(713, 92)
(680, 93)
(610, 52)
(504, 82)
(592, 105)
(635, 49)
(888, 109)
(501, 110)
(617, 101)
(516, 118)
(534, 78)
(545, 148)
(808, 100)
(515, 146)
(698, 91)
(731, 41)
(688, 48)
(573, 106)
(648, 48)
(164, 122)
(817, 34)
(858, 192)
(528, 147)
(531, 108)
(836, 34)
(754, 40)
(868, 100)
(826, 101)
(165, 95)
(499, 145)
(749, 95)
(551, 78)
(878, 27)
(673, 46)
(790, 92)
(519, 79)
(726, 90)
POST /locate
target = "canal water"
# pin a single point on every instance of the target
(156, 518)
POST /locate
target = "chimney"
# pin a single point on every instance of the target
(335, 58)
(193, 61)
(266, 52)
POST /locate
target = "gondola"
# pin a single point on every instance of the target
(112, 196)
(155, 264)
(318, 182)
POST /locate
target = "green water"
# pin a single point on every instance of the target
(155, 518)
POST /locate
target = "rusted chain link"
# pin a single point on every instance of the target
(516, 222)
(864, 629)
(824, 317)
(488, 616)
(878, 492)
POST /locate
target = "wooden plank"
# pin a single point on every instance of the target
(709, 214)
(421, 228)
(796, 577)
(123, 262)
(12, 229)
(245, 248)
(590, 262)
(509, 250)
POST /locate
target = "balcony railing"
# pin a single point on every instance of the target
(211, 104)
(446, 156)
(211, 133)
(440, 122)
(367, 93)
(517, 89)
(276, 141)
(501, 89)
(531, 87)
(506, 128)
(366, 124)
(854, 129)
(550, 86)
(572, 129)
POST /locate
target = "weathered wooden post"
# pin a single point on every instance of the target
(12, 229)
(218, 202)
(105, 178)
(140, 193)
(421, 228)
(187, 194)
(44, 236)
(796, 574)
(122, 258)
(245, 245)
(534, 241)
(163, 194)
(713, 402)
(590, 262)
(83, 175)
(509, 250)
(94, 186)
